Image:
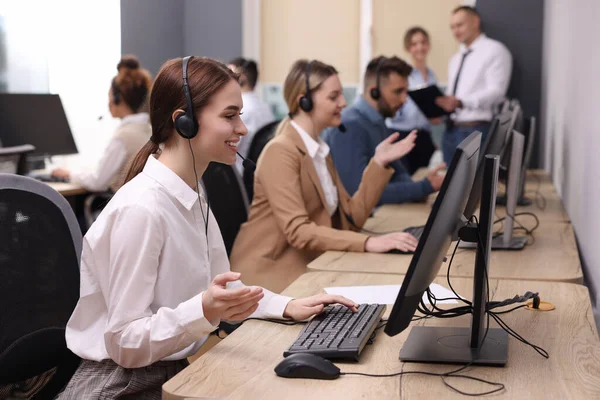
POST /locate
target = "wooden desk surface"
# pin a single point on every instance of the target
(553, 256)
(241, 366)
(538, 184)
(67, 189)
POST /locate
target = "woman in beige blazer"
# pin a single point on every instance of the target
(300, 207)
(126, 101)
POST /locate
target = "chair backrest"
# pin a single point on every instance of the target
(228, 200)
(259, 141)
(13, 160)
(40, 249)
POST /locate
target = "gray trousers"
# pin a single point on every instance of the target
(107, 380)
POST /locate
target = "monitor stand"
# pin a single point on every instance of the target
(522, 201)
(467, 345)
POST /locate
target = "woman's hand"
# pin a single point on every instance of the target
(301, 309)
(387, 151)
(218, 302)
(392, 241)
(62, 173)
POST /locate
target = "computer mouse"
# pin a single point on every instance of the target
(307, 365)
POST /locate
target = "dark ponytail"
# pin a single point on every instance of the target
(137, 163)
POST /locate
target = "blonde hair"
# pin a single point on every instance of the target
(295, 85)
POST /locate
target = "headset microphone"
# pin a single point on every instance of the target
(342, 128)
(247, 163)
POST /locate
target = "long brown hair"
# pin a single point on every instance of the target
(205, 78)
(295, 85)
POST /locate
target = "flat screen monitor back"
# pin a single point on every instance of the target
(36, 119)
(445, 218)
(494, 145)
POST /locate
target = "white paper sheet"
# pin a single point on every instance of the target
(386, 294)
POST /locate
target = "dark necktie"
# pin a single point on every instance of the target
(462, 62)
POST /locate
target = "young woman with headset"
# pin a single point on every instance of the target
(155, 278)
(300, 207)
(127, 101)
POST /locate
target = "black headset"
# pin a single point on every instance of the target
(375, 92)
(306, 103)
(115, 91)
(186, 124)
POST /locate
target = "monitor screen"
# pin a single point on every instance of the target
(36, 119)
(444, 220)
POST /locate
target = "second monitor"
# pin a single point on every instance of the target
(475, 344)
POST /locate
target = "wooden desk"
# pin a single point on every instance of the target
(67, 189)
(537, 181)
(241, 366)
(552, 257)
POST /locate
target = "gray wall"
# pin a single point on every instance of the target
(157, 30)
(570, 105)
(519, 25)
(213, 28)
(152, 30)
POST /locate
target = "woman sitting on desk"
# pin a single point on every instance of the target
(300, 207)
(126, 99)
(155, 278)
(409, 117)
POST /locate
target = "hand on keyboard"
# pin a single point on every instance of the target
(300, 309)
(338, 332)
(392, 241)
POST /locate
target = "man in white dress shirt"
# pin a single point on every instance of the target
(478, 77)
(255, 113)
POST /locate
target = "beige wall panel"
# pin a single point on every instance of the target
(327, 30)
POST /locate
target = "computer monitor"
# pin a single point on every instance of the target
(529, 127)
(36, 119)
(449, 344)
(494, 145)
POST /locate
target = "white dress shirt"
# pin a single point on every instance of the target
(144, 267)
(319, 151)
(484, 78)
(255, 115)
(113, 160)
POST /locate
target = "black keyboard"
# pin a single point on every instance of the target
(416, 231)
(337, 332)
(47, 177)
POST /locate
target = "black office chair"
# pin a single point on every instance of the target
(228, 200)
(13, 160)
(259, 141)
(40, 248)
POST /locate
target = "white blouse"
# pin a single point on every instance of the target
(318, 151)
(144, 267)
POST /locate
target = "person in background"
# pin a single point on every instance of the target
(478, 78)
(155, 278)
(300, 208)
(256, 113)
(126, 101)
(383, 95)
(409, 117)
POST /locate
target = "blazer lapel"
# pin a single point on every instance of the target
(307, 163)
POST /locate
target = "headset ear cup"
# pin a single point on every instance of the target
(375, 94)
(185, 126)
(306, 104)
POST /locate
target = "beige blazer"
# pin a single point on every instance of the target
(288, 223)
